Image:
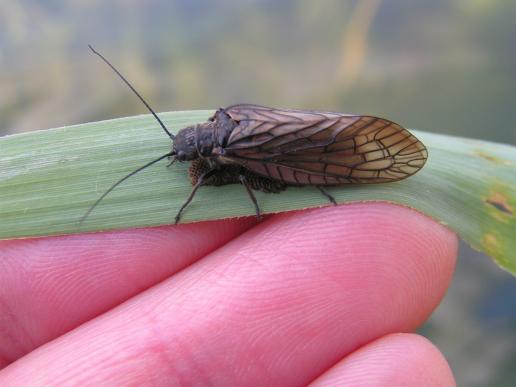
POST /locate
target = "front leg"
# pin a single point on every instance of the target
(201, 173)
(200, 180)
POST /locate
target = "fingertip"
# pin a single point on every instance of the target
(394, 360)
(390, 242)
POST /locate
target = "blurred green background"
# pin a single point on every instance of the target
(446, 66)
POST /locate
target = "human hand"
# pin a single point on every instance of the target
(327, 296)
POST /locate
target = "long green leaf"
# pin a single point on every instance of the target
(48, 179)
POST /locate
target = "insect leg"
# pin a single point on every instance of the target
(200, 181)
(327, 194)
(250, 192)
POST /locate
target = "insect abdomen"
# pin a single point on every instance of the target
(230, 174)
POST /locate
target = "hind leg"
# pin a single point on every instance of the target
(327, 194)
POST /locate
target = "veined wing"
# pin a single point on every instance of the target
(309, 147)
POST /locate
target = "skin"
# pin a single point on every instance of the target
(328, 296)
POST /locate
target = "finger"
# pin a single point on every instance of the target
(393, 360)
(280, 304)
(51, 285)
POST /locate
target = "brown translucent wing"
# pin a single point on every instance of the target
(309, 147)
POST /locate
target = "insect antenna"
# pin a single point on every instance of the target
(121, 181)
(134, 91)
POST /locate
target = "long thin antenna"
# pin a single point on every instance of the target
(119, 182)
(134, 91)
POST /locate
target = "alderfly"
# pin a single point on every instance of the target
(269, 149)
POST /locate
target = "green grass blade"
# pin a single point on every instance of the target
(48, 179)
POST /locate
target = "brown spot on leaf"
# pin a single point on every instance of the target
(490, 243)
(499, 201)
(491, 158)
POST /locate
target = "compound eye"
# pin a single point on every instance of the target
(180, 155)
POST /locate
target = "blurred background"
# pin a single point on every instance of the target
(446, 66)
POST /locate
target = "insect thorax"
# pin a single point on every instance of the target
(200, 140)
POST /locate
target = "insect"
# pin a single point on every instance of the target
(269, 149)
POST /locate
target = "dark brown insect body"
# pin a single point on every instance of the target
(269, 149)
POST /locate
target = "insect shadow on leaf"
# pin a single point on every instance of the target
(269, 149)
